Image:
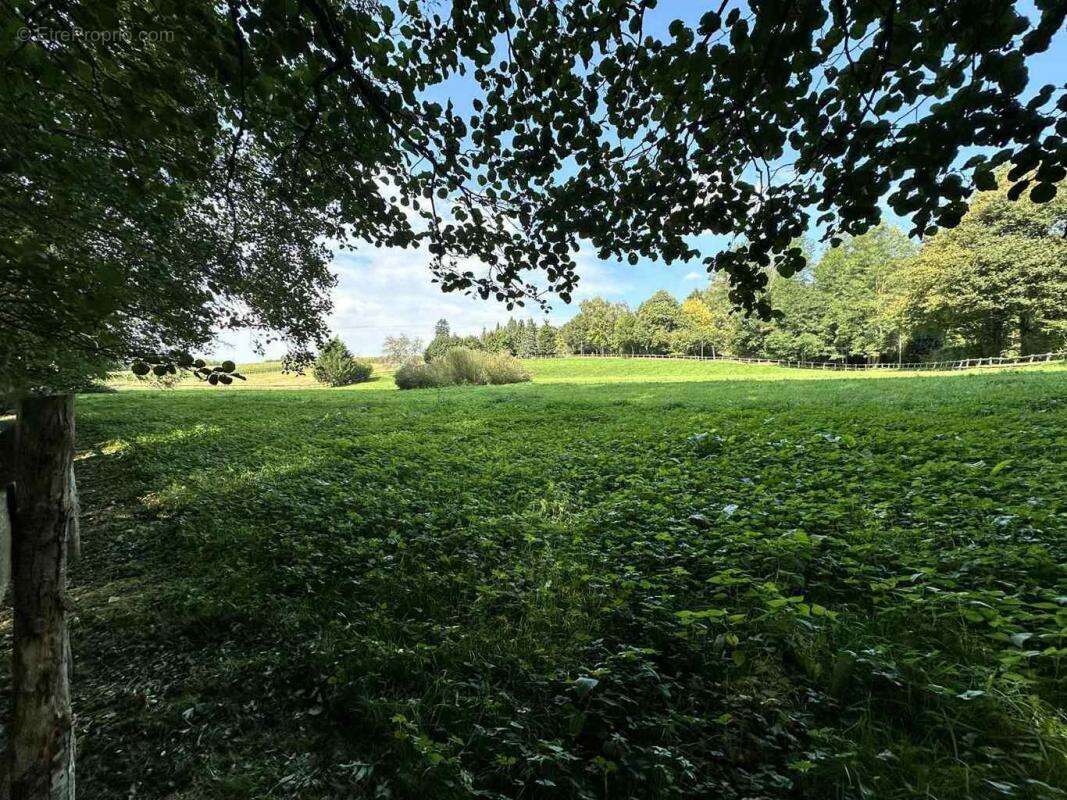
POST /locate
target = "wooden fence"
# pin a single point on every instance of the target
(966, 363)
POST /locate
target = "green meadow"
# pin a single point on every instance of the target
(654, 579)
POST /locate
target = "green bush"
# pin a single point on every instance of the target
(504, 368)
(461, 366)
(420, 376)
(337, 367)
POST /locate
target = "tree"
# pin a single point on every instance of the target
(575, 335)
(698, 331)
(801, 302)
(749, 337)
(857, 283)
(547, 340)
(336, 366)
(798, 300)
(624, 337)
(667, 135)
(496, 341)
(134, 225)
(274, 105)
(782, 344)
(808, 347)
(996, 284)
(527, 345)
(724, 325)
(598, 317)
(397, 350)
(159, 188)
(657, 321)
(441, 344)
(442, 341)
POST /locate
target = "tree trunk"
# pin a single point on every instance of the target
(74, 529)
(1025, 330)
(7, 501)
(41, 734)
(5, 536)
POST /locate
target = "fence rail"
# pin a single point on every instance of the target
(966, 363)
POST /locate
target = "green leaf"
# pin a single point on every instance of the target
(1001, 466)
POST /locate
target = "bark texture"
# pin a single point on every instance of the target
(5, 536)
(41, 734)
(74, 530)
(7, 499)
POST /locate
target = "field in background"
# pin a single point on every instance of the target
(269, 374)
(259, 375)
(625, 579)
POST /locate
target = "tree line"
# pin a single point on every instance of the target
(522, 338)
(995, 285)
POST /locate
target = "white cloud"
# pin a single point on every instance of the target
(695, 276)
(388, 291)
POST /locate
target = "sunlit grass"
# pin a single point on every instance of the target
(271, 375)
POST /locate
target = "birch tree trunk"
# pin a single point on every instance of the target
(41, 734)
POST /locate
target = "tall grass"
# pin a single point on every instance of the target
(462, 366)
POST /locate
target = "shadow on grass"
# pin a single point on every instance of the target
(296, 594)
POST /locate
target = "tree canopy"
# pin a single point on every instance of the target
(185, 172)
(998, 280)
(996, 285)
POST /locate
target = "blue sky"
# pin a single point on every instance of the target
(383, 292)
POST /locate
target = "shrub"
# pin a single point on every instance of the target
(420, 376)
(336, 366)
(462, 366)
(504, 368)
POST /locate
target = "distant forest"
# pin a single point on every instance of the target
(994, 286)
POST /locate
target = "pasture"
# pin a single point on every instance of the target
(624, 579)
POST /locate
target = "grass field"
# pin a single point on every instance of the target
(270, 375)
(625, 579)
